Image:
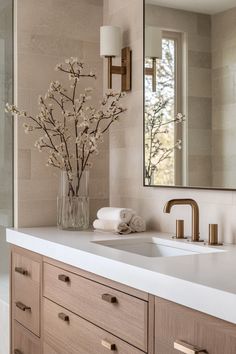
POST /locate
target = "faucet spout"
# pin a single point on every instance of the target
(195, 214)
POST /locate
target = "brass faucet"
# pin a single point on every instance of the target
(195, 214)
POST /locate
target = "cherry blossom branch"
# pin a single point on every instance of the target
(72, 129)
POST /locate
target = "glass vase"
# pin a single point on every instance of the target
(73, 203)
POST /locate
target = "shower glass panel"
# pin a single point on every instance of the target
(6, 162)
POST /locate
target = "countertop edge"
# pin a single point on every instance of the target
(133, 276)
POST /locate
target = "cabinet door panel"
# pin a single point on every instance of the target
(23, 341)
(26, 273)
(174, 322)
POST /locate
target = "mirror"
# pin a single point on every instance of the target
(190, 93)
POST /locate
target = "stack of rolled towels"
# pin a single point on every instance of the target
(119, 220)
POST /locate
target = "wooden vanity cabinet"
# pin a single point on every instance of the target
(190, 331)
(24, 342)
(59, 309)
(26, 280)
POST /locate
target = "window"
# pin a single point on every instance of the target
(162, 134)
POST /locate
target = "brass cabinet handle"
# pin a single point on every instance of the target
(109, 298)
(17, 351)
(64, 278)
(186, 348)
(21, 271)
(64, 317)
(108, 345)
(22, 307)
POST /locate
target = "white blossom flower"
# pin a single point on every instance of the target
(71, 129)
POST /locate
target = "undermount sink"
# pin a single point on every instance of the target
(157, 247)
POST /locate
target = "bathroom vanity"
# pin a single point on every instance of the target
(78, 293)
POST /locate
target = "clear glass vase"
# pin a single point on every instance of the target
(73, 203)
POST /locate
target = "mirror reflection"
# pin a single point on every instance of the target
(190, 93)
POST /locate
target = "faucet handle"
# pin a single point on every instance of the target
(179, 233)
(213, 235)
(180, 229)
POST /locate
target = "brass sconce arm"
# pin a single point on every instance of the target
(153, 72)
(125, 70)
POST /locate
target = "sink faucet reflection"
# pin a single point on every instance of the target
(195, 214)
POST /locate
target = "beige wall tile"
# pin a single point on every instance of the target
(199, 82)
(199, 112)
(204, 25)
(24, 160)
(199, 142)
(61, 29)
(199, 59)
(172, 19)
(199, 43)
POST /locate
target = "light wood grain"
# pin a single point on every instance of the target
(126, 318)
(26, 289)
(24, 341)
(174, 322)
(151, 323)
(112, 284)
(77, 335)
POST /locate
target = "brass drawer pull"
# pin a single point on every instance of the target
(64, 278)
(17, 351)
(64, 317)
(21, 271)
(186, 348)
(22, 307)
(109, 298)
(108, 345)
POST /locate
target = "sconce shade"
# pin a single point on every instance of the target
(153, 42)
(110, 41)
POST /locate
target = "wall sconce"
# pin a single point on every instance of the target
(110, 47)
(153, 50)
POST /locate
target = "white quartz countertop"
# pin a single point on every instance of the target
(204, 282)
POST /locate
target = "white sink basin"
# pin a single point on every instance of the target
(157, 247)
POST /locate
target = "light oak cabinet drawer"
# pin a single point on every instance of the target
(120, 314)
(23, 341)
(26, 292)
(188, 329)
(67, 333)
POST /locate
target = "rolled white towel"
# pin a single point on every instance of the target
(137, 224)
(115, 214)
(112, 226)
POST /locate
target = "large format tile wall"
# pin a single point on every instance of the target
(46, 33)
(224, 97)
(126, 151)
(197, 40)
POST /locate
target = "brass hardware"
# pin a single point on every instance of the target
(213, 235)
(180, 229)
(64, 317)
(22, 307)
(195, 214)
(109, 298)
(64, 278)
(108, 345)
(17, 351)
(21, 271)
(125, 70)
(153, 73)
(187, 348)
